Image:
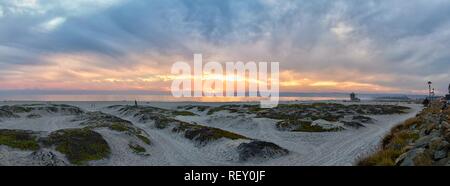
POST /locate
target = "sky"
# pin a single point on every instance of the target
(373, 46)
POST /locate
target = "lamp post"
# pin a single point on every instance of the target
(429, 89)
(448, 89)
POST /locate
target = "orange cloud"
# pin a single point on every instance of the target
(151, 72)
(294, 81)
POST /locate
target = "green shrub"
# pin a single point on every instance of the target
(137, 148)
(204, 134)
(144, 139)
(79, 145)
(18, 139)
(119, 127)
(183, 113)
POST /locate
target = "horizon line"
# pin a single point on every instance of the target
(154, 92)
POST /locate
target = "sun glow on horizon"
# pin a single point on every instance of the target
(90, 72)
(87, 72)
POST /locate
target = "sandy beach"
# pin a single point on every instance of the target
(172, 144)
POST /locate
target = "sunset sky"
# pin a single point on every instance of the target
(391, 46)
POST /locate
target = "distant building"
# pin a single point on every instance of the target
(354, 98)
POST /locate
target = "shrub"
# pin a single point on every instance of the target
(144, 139)
(79, 145)
(183, 113)
(18, 139)
(204, 134)
(137, 148)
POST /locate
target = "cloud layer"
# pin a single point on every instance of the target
(366, 46)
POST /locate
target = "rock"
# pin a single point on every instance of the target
(429, 128)
(445, 125)
(443, 162)
(46, 158)
(447, 134)
(408, 147)
(423, 142)
(435, 133)
(400, 159)
(260, 150)
(438, 143)
(410, 156)
(440, 154)
(440, 147)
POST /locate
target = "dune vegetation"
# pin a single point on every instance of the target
(422, 140)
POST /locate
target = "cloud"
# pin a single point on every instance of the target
(46, 7)
(342, 30)
(51, 24)
(21, 7)
(361, 45)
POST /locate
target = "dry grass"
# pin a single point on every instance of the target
(397, 141)
(394, 144)
(381, 158)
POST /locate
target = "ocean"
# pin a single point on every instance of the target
(170, 98)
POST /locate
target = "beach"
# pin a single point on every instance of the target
(195, 133)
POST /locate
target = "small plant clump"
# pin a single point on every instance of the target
(303, 126)
(137, 149)
(33, 116)
(79, 145)
(120, 127)
(200, 108)
(7, 114)
(30, 108)
(260, 150)
(144, 139)
(183, 113)
(19, 139)
(94, 120)
(204, 134)
(163, 119)
(229, 108)
(316, 128)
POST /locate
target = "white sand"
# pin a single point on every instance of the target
(329, 148)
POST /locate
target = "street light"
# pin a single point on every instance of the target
(429, 89)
